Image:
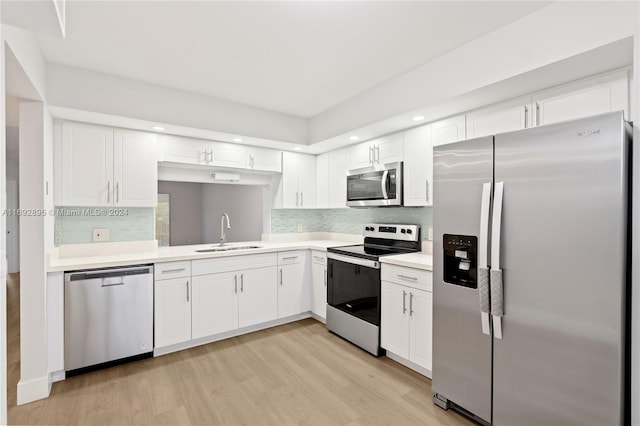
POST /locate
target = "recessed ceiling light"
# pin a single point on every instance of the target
(297, 148)
(237, 139)
(158, 128)
(354, 138)
(418, 118)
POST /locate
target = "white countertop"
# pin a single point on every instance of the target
(419, 260)
(60, 261)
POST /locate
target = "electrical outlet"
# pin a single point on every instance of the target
(100, 234)
(430, 233)
(300, 227)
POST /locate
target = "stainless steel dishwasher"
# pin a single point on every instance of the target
(108, 317)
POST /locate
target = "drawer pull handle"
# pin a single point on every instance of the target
(166, 271)
(290, 257)
(405, 277)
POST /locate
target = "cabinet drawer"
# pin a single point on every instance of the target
(232, 263)
(290, 257)
(412, 277)
(167, 270)
(319, 257)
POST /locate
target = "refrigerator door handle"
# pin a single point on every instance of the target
(483, 268)
(497, 302)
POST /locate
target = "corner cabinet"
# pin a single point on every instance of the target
(102, 167)
(297, 187)
(406, 316)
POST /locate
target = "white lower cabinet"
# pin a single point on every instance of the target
(258, 297)
(293, 288)
(172, 307)
(215, 304)
(406, 315)
(319, 283)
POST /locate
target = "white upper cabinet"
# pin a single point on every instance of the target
(418, 167)
(182, 150)
(227, 155)
(297, 187)
(322, 181)
(504, 117)
(135, 169)
(268, 160)
(450, 130)
(338, 166)
(101, 167)
(387, 149)
(87, 165)
(604, 94)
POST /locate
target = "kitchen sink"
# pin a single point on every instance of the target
(226, 248)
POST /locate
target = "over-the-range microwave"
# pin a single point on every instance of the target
(379, 185)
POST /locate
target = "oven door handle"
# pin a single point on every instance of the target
(354, 260)
(383, 183)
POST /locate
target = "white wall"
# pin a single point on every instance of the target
(34, 372)
(551, 34)
(90, 91)
(3, 243)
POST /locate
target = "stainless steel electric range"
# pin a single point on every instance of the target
(353, 282)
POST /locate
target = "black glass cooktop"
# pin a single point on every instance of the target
(364, 252)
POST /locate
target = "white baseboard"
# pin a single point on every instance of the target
(33, 390)
(409, 364)
(233, 333)
(318, 318)
(57, 376)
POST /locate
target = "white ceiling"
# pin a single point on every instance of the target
(299, 58)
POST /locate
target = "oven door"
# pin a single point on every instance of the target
(375, 186)
(353, 286)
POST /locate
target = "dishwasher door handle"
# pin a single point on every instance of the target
(106, 283)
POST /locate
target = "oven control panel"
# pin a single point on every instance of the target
(400, 232)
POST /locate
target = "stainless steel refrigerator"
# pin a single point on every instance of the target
(531, 274)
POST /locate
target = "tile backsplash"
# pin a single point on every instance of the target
(74, 225)
(346, 221)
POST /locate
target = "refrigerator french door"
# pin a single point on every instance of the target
(530, 274)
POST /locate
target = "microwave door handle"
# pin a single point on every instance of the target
(383, 183)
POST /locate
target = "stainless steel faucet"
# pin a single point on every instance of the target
(223, 235)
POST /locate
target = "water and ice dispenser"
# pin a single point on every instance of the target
(461, 260)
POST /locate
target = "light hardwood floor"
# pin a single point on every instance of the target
(295, 374)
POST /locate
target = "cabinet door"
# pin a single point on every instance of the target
(293, 296)
(394, 319)
(593, 97)
(215, 304)
(172, 311)
(289, 182)
(501, 118)
(319, 289)
(418, 167)
(258, 297)
(361, 155)
(338, 166)
(264, 159)
(307, 181)
(322, 181)
(421, 303)
(182, 150)
(135, 169)
(449, 130)
(389, 149)
(228, 155)
(87, 165)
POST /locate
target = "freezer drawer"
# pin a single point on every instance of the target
(108, 315)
